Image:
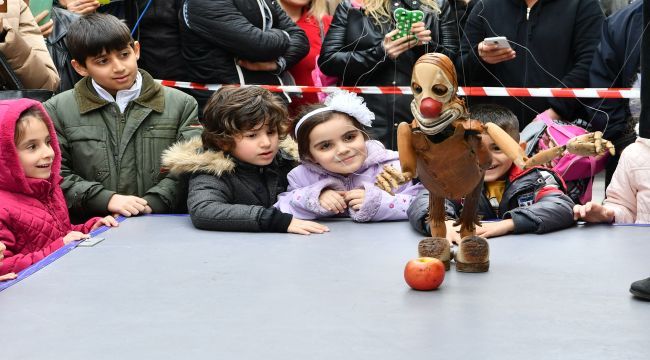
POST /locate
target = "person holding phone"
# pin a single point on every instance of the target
(552, 45)
(359, 49)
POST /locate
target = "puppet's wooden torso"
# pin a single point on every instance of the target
(453, 167)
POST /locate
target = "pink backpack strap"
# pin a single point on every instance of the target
(550, 123)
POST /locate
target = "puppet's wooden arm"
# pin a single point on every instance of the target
(507, 144)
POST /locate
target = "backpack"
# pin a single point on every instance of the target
(577, 171)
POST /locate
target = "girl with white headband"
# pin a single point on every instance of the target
(340, 164)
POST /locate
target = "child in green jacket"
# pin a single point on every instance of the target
(114, 125)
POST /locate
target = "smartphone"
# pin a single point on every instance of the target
(500, 41)
(404, 19)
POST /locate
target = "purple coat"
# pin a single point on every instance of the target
(307, 181)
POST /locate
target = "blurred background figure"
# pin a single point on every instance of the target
(312, 17)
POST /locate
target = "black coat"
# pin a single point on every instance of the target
(56, 45)
(216, 33)
(616, 64)
(561, 36)
(353, 52)
(159, 37)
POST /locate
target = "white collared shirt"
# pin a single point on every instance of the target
(123, 97)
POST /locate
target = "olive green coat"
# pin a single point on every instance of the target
(106, 152)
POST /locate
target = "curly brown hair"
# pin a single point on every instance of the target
(232, 110)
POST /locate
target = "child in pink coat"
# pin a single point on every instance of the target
(34, 219)
(627, 199)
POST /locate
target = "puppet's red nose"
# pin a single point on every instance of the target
(430, 108)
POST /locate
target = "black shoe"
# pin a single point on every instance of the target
(641, 289)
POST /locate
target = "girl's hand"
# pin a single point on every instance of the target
(593, 212)
(333, 200)
(419, 36)
(304, 227)
(106, 221)
(421, 33)
(81, 7)
(354, 198)
(491, 54)
(494, 229)
(9, 276)
(74, 236)
(46, 29)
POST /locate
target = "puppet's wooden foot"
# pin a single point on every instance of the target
(436, 247)
(473, 255)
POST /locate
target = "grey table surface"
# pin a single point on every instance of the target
(157, 288)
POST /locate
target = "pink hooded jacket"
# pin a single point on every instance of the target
(33, 213)
(629, 192)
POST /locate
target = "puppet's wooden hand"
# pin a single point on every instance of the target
(390, 178)
(590, 145)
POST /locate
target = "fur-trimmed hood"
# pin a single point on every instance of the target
(189, 157)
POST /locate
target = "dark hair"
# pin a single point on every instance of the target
(231, 110)
(21, 124)
(302, 138)
(95, 33)
(498, 115)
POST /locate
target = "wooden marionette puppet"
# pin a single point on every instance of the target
(442, 148)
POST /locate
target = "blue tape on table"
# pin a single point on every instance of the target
(51, 258)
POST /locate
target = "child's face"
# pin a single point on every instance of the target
(501, 163)
(113, 71)
(257, 146)
(337, 145)
(34, 149)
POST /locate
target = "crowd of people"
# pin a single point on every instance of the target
(113, 141)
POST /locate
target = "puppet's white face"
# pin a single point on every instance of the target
(432, 91)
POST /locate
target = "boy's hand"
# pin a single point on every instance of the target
(46, 29)
(354, 198)
(74, 236)
(593, 212)
(9, 276)
(305, 227)
(494, 229)
(452, 232)
(333, 200)
(81, 7)
(128, 205)
(106, 221)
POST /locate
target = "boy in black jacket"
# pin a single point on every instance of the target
(522, 201)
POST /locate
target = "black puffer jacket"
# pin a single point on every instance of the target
(555, 43)
(215, 33)
(353, 52)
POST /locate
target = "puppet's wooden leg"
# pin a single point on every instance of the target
(473, 253)
(437, 246)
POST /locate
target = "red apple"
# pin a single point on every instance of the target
(425, 273)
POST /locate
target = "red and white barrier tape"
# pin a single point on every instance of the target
(463, 91)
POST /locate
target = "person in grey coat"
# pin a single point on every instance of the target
(239, 165)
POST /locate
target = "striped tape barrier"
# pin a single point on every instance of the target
(596, 93)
